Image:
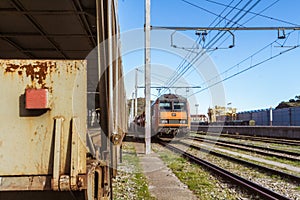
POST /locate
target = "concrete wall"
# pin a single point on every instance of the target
(291, 132)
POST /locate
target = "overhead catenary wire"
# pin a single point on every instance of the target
(189, 54)
(249, 57)
(186, 68)
(266, 8)
(257, 64)
(159, 77)
(272, 57)
(206, 10)
(258, 14)
(252, 54)
(240, 72)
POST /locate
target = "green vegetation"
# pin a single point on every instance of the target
(140, 105)
(291, 103)
(197, 179)
(131, 182)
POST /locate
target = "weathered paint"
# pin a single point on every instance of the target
(37, 71)
(27, 136)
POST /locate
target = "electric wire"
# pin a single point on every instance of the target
(259, 14)
(254, 17)
(248, 68)
(183, 69)
(197, 6)
(186, 68)
(189, 55)
(249, 57)
(272, 57)
(243, 24)
(240, 72)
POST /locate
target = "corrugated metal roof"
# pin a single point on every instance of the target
(47, 29)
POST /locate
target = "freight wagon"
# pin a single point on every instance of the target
(60, 61)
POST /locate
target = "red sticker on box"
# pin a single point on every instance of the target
(36, 99)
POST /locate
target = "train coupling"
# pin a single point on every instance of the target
(116, 139)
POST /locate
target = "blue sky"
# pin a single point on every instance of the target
(260, 87)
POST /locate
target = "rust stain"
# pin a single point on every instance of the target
(37, 71)
(11, 68)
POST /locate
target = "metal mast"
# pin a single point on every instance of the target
(147, 79)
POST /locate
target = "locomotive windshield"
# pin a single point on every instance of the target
(179, 106)
(172, 106)
(165, 106)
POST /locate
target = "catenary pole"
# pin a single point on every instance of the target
(147, 79)
(135, 92)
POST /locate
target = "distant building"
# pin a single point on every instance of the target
(221, 114)
(199, 118)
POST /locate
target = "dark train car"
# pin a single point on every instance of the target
(170, 116)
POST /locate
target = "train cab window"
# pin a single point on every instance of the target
(179, 106)
(165, 106)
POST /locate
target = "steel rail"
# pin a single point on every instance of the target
(263, 139)
(240, 146)
(262, 191)
(254, 165)
(260, 147)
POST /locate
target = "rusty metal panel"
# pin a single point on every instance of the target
(27, 137)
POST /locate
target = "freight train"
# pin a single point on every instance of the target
(170, 116)
(54, 70)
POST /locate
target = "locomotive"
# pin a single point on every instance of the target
(170, 116)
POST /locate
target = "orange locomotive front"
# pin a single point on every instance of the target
(170, 116)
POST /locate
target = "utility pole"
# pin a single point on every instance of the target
(147, 79)
(132, 109)
(197, 105)
(271, 116)
(136, 88)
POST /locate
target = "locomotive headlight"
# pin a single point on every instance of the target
(164, 121)
(183, 121)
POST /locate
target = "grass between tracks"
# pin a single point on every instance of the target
(130, 182)
(204, 185)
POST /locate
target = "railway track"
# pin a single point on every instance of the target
(265, 193)
(263, 139)
(247, 163)
(287, 155)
